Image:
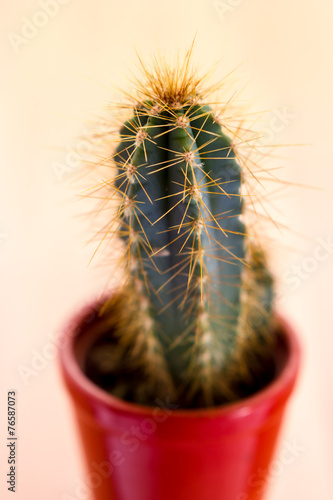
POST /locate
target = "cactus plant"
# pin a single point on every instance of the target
(193, 319)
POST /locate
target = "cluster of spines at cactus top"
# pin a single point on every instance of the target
(195, 280)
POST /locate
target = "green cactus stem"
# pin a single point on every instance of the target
(197, 291)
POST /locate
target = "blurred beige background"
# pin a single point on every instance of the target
(58, 61)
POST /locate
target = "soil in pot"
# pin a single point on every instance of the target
(114, 370)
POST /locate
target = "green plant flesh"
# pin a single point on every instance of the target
(198, 294)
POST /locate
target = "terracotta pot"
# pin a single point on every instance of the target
(134, 452)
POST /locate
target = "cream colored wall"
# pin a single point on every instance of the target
(54, 80)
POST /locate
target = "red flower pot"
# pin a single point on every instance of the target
(143, 453)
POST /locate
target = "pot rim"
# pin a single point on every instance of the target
(278, 389)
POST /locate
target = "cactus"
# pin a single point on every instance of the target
(193, 320)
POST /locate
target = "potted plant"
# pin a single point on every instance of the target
(180, 376)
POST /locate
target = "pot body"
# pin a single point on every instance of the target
(163, 453)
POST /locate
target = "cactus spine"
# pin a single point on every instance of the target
(194, 278)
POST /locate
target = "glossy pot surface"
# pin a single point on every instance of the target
(134, 452)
